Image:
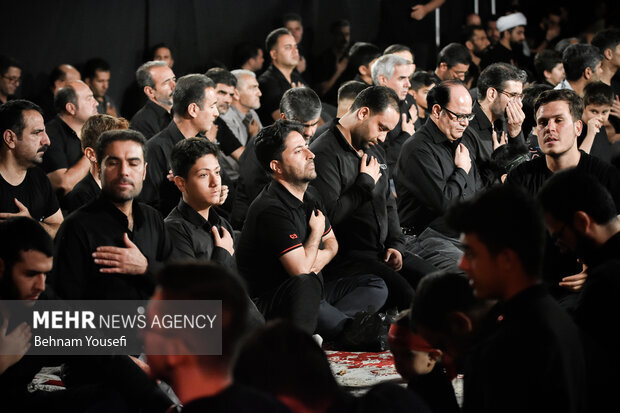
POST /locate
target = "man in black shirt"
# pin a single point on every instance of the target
(280, 76)
(287, 241)
(89, 188)
(558, 117)
(10, 78)
(353, 182)
(110, 248)
(64, 162)
(203, 383)
(158, 82)
(436, 169)
(195, 109)
(24, 188)
(509, 49)
(452, 63)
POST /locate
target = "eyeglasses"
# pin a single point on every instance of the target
(12, 79)
(511, 95)
(460, 117)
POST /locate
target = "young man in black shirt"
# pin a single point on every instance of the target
(24, 188)
(110, 248)
(287, 241)
(195, 109)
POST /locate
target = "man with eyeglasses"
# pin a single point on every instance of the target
(499, 113)
(558, 117)
(435, 170)
(10, 79)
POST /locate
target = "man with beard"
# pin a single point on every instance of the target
(581, 216)
(24, 188)
(10, 78)
(109, 248)
(558, 118)
(509, 49)
(476, 40)
(582, 65)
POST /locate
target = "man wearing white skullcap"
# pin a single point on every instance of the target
(510, 46)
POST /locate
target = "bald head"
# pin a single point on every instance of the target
(67, 73)
(76, 101)
(451, 105)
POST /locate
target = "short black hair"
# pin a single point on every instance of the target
(190, 89)
(598, 93)
(153, 49)
(108, 137)
(440, 94)
(300, 104)
(16, 235)
(12, 115)
(288, 17)
(454, 54)
(572, 190)
(63, 96)
(244, 52)
(496, 75)
(93, 65)
(8, 62)
(223, 76)
(546, 61)
(507, 157)
(350, 89)
(530, 94)
(606, 39)
(575, 103)
(468, 32)
(421, 79)
(504, 217)
(209, 281)
(187, 151)
(377, 99)
(361, 54)
(272, 38)
(578, 57)
(271, 141)
(337, 24)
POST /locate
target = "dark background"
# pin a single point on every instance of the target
(43, 34)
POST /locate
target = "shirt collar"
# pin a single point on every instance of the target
(192, 216)
(481, 118)
(158, 109)
(106, 204)
(66, 127)
(333, 126)
(174, 132)
(281, 192)
(437, 135)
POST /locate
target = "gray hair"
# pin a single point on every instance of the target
(240, 73)
(384, 66)
(143, 74)
(301, 104)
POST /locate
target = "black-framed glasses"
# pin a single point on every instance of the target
(12, 79)
(460, 117)
(511, 95)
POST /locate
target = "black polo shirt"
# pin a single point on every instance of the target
(277, 223)
(363, 213)
(65, 147)
(192, 238)
(427, 181)
(396, 137)
(158, 191)
(82, 193)
(272, 85)
(150, 119)
(35, 192)
(101, 223)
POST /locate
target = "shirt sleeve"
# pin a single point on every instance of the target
(55, 157)
(279, 231)
(225, 138)
(73, 261)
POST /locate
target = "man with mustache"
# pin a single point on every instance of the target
(24, 189)
(110, 248)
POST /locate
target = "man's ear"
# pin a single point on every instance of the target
(180, 183)
(578, 127)
(608, 53)
(469, 45)
(364, 70)
(273, 53)
(149, 92)
(491, 94)
(275, 166)
(435, 354)
(10, 138)
(460, 323)
(436, 109)
(382, 80)
(70, 108)
(587, 74)
(90, 154)
(443, 67)
(363, 113)
(192, 110)
(582, 222)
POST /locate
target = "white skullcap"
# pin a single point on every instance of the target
(511, 21)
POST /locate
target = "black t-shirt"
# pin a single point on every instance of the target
(277, 223)
(65, 147)
(150, 120)
(82, 193)
(226, 140)
(273, 84)
(35, 192)
(236, 398)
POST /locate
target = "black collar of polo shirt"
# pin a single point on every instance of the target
(66, 127)
(438, 136)
(105, 204)
(281, 192)
(192, 216)
(174, 132)
(341, 139)
(481, 118)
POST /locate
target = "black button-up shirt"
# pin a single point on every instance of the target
(158, 191)
(150, 120)
(277, 223)
(192, 238)
(272, 85)
(65, 147)
(82, 193)
(427, 180)
(363, 213)
(101, 223)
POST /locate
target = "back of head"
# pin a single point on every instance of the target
(530, 94)
(496, 75)
(223, 76)
(271, 141)
(546, 61)
(143, 74)
(190, 89)
(17, 235)
(93, 65)
(578, 57)
(598, 93)
(421, 79)
(468, 33)
(384, 66)
(504, 217)
(12, 115)
(575, 103)
(272, 38)
(564, 43)
(300, 104)
(96, 125)
(349, 90)
(269, 354)
(291, 17)
(606, 39)
(108, 137)
(209, 281)
(361, 54)
(441, 94)
(187, 151)
(395, 48)
(572, 190)
(377, 99)
(7, 62)
(63, 96)
(454, 54)
(244, 52)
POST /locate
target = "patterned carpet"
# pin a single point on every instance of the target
(359, 371)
